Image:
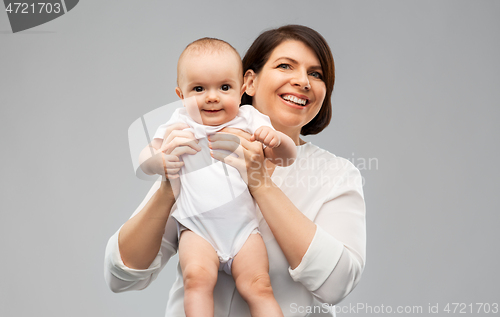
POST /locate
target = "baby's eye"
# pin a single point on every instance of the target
(225, 87)
(284, 66)
(316, 75)
(198, 89)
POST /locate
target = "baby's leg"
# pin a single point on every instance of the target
(200, 266)
(250, 269)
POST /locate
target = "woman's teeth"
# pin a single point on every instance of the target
(300, 102)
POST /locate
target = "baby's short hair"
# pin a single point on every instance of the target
(208, 45)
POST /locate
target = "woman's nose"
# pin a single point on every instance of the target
(301, 79)
(212, 97)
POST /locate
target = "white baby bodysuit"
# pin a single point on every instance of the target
(214, 201)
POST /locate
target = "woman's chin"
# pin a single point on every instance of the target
(289, 123)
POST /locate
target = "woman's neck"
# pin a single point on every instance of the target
(294, 135)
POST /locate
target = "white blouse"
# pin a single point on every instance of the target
(325, 188)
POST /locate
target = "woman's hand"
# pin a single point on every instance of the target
(176, 142)
(249, 159)
(163, 156)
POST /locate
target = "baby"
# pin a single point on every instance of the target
(216, 215)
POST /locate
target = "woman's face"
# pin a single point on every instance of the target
(289, 88)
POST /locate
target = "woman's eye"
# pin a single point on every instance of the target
(198, 89)
(317, 75)
(284, 66)
(225, 87)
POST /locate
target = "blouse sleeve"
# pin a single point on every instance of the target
(121, 278)
(335, 259)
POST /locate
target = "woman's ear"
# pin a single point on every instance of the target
(178, 91)
(249, 82)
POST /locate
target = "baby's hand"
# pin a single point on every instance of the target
(267, 136)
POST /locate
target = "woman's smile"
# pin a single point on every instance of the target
(295, 101)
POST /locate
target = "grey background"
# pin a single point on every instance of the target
(417, 90)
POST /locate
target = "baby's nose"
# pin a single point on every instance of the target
(212, 97)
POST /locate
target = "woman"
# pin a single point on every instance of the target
(313, 212)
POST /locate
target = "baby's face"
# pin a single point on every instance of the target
(215, 81)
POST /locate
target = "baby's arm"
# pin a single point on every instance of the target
(280, 149)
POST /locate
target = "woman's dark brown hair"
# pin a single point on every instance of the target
(261, 49)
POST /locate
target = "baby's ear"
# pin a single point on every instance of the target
(249, 82)
(243, 89)
(178, 91)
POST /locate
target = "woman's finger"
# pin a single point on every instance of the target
(224, 136)
(179, 138)
(236, 162)
(230, 146)
(237, 132)
(249, 159)
(178, 133)
(173, 176)
(178, 142)
(181, 150)
(228, 137)
(170, 164)
(176, 126)
(172, 171)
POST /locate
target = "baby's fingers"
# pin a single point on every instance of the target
(272, 141)
(261, 134)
